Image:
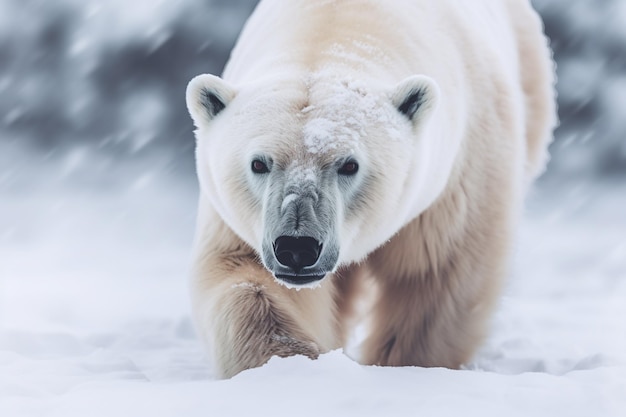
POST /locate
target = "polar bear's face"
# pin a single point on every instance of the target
(313, 174)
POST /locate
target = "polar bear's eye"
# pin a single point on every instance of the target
(259, 167)
(349, 168)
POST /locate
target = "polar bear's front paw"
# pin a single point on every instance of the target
(285, 346)
(256, 329)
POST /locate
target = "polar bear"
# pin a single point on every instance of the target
(354, 141)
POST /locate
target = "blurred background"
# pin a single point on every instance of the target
(83, 76)
(98, 203)
(96, 146)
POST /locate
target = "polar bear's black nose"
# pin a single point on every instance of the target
(297, 252)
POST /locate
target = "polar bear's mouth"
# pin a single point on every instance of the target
(299, 261)
(300, 280)
(297, 258)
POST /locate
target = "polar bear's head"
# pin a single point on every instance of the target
(318, 172)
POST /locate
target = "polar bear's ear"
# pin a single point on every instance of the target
(416, 97)
(207, 96)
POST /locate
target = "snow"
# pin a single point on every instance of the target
(95, 314)
(347, 112)
(95, 232)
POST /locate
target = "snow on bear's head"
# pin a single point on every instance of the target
(316, 172)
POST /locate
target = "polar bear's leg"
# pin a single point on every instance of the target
(245, 317)
(421, 324)
(438, 282)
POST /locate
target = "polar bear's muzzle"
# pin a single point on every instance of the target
(300, 260)
(297, 253)
(300, 247)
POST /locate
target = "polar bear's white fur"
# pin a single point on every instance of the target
(362, 140)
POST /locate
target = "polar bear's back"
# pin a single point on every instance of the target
(472, 49)
(537, 73)
(303, 31)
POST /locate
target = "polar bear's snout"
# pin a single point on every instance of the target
(298, 259)
(297, 253)
(300, 243)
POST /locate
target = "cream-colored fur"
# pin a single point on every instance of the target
(430, 220)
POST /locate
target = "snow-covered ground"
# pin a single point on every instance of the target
(94, 311)
(94, 247)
